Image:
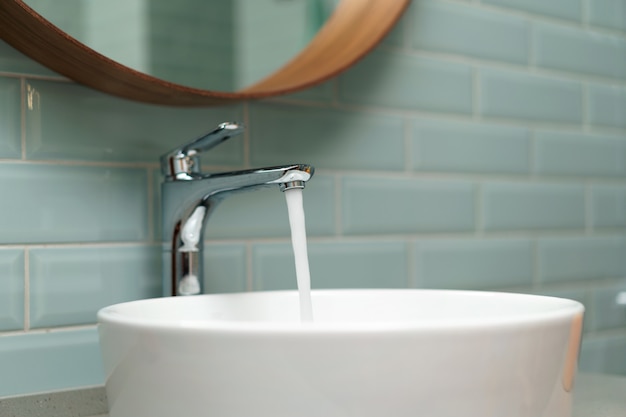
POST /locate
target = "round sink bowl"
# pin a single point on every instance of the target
(368, 353)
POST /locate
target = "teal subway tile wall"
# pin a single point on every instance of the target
(482, 145)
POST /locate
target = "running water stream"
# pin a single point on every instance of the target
(298, 241)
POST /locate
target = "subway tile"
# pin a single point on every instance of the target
(607, 106)
(70, 122)
(469, 30)
(10, 118)
(383, 205)
(610, 14)
(603, 355)
(188, 57)
(68, 19)
(576, 50)
(214, 11)
(63, 203)
(325, 138)
(571, 259)
(324, 92)
(12, 60)
(558, 153)
(519, 206)
(268, 36)
(333, 265)
(563, 9)
(69, 285)
(263, 213)
(225, 268)
(12, 278)
(515, 95)
(396, 37)
(465, 147)
(473, 264)
(609, 307)
(608, 206)
(50, 361)
(401, 80)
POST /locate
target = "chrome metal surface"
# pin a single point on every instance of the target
(182, 163)
(291, 184)
(189, 197)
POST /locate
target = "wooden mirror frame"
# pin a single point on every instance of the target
(354, 28)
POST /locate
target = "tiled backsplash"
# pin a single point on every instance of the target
(482, 146)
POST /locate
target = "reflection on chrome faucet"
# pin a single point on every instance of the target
(189, 196)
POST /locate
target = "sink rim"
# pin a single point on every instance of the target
(566, 310)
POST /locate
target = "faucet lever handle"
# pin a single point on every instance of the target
(223, 132)
(182, 162)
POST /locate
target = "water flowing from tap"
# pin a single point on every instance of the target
(298, 240)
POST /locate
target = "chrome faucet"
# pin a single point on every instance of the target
(189, 196)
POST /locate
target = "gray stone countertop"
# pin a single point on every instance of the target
(600, 396)
(594, 396)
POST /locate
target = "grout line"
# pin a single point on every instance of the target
(535, 16)
(536, 270)
(547, 72)
(246, 134)
(465, 176)
(338, 205)
(585, 12)
(589, 230)
(26, 289)
(606, 333)
(407, 30)
(23, 118)
(77, 244)
(491, 235)
(105, 164)
(580, 284)
(608, 132)
(10, 74)
(249, 266)
(590, 304)
(412, 256)
(408, 146)
(511, 10)
(479, 207)
(532, 48)
(448, 117)
(532, 154)
(476, 95)
(45, 330)
(335, 101)
(583, 24)
(150, 197)
(586, 126)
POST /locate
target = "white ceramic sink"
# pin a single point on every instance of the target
(369, 353)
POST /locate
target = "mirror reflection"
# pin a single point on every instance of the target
(222, 45)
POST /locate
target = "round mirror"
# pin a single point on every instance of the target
(223, 45)
(197, 52)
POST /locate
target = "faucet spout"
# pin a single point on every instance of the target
(240, 180)
(189, 197)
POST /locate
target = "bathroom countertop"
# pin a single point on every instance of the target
(600, 396)
(594, 396)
